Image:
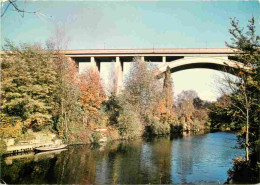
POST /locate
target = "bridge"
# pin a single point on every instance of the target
(176, 58)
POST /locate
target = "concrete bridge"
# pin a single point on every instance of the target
(176, 59)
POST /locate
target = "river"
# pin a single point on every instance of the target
(203, 158)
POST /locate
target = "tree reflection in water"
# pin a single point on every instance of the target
(187, 159)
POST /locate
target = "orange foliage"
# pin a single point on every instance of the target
(72, 73)
(92, 92)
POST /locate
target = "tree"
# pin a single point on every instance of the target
(245, 97)
(198, 103)
(67, 111)
(185, 104)
(142, 89)
(166, 104)
(220, 117)
(192, 111)
(28, 82)
(92, 94)
(168, 89)
(243, 109)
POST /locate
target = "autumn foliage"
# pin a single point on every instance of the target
(28, 81)
(92, 94)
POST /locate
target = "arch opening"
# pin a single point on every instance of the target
(219, 64)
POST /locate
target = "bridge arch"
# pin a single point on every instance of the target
(215, 63)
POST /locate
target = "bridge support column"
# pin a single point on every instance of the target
(164, 60)
(94, 63)
(119, 75)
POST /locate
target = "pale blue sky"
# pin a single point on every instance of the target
(159, 24)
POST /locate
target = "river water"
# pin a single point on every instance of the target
(194, 159)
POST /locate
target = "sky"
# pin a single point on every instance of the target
(135, 24)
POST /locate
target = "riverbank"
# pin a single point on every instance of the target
(30, 141)
(99, 135)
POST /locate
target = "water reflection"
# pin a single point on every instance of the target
(189, 159)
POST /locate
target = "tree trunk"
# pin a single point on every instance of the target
(247, 104)
(247, 133)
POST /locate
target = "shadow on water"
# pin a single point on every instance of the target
(185, 158)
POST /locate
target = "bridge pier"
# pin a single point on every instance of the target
(119, 75)
(94, 64)
(164, 60)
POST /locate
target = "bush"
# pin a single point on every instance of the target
(112, 108)
(176, 129)
(155, 127)
(2, 147)
(243, 172)
(129, 124)
(79, 135)
(96, 137)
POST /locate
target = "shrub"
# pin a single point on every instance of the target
(96, 137)
(160, 128)
(243, 172)
(157, 127)
(2, 147)
(10, 127)
(176, 128)
(112, 108)
(129, 124)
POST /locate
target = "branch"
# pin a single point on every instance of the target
(12, 2)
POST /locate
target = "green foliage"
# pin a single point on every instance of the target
(28, 82)
(112, 108)
(245, 101)
(67, 112)
(38, 91)
(129, 124)
(155, 127)
(243, 172)
(240, 110)
(220, 115)
(176, 128)
(96, 137)
(2, 147)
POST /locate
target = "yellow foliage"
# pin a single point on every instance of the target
(10, 127)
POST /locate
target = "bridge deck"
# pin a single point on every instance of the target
(149, 51)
